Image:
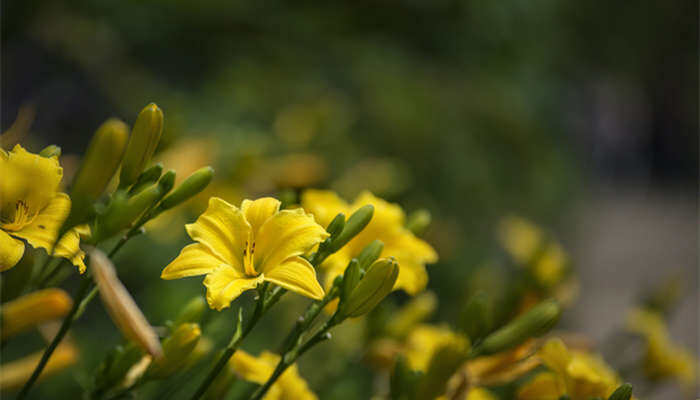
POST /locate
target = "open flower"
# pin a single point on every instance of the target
(239, 248)
(32, 209)
(290, 384)
(387, 225)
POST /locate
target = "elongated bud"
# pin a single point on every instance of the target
(143, 142)
(125, 314)
(33, 309)
(443, 365)
(354, 225)
(370, 254)
(147, 178)
(121, 212)
(624, 392)
(534, 322)
(476, 320)
(336, 225)
(193, 311)
(101, 161)
(115, 366)
(351, 278)
(167, 182)
(190, 187)
(377, 283)
(176, 350)
(51, 151)
(413, 313)
(418, 221)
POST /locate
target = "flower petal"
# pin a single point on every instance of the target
(251, 368)
(194, 259)
(258, 211)
(412, 277)
(225, 284)
(287, 234)
(223, 229)
(43, 230)
(544, 386)
(11, 251)
(29, 178)
(323, 204)
(297, 275)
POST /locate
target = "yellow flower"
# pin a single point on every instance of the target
(425, 341)
(240, 248)
(290, 385)
(32, 209)
(15, 373)
(387, 225)
(663, 358)
(578, 374)
(32, 309)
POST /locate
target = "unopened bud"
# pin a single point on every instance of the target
(147, 178)
(377, 283)
(190, 187)
(354, 225)
(122, 211)
(101, 161)
(336, 225)
(125, 314)
(351, 278)
(624, 392)
(142, 144)
(51, 151)
(370, 254)
(443, 365)
(418, 221)
(476, 319)
(115, 366)
(176, 350)
(192, 312)
(534, 322)
(167, 182)
(33, 309)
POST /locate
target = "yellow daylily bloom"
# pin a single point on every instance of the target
(290, 385)
(663, 358)
(426, 340)
(387, 225)
(578, 374)
(33, 309)
(239, 248)
(31, 208)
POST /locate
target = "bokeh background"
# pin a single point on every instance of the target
(581, 116)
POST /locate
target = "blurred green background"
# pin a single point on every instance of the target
(579, 115)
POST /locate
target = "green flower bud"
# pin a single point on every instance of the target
(115, 366)
(354, 225)
(176, 350)
(476, 319)
(191, 186)
(122, 211)
(193, 311)
(101, 161)
(443, 365)
(336, 225)
(370, 254)
(403, 381)
(147, 177)
(51, 151)
(418, 222)
(167, 181)
(351, 278)
(142, 144)
(377, 283)
(534, 322)
(624, 392)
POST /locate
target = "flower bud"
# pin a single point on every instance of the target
(32, 309)
(191, 186)
(413, 313)
(377, 283)
(534, 322)
(147, 178)
(101, 161)
(336, 225)
(176, 350)
(351, 278)
(142, 144)
(121, 306)
(624, 392)
(51, 151)
(192, 312)
(116, 365)
(370, 254)
(418, 221)
(443, 365)
(167, 181)
(121, 211)
(354, 225)
(476, 318)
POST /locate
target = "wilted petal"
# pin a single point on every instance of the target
(258, 211)
(297, 275)
(11, 251)
(223, 229)
(287, 234)
(225, 284)
(194, 259)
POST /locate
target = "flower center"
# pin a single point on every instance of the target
(248, 261)
(21, 217)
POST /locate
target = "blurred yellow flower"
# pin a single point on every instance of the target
(425, 340)
(663, 358)
(387, 225)
(578, 374)
(290, 385)
(32, 209)
(32, 309)
(15, 373)
(239, 248)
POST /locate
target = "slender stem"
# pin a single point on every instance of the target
(65, 326)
